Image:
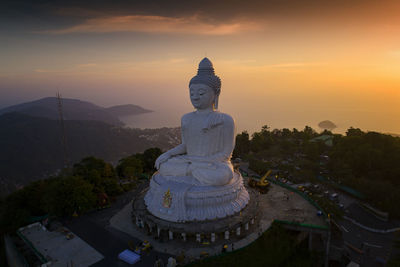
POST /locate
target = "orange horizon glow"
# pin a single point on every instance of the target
(287, 69)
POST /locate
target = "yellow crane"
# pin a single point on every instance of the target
(262, 184)
(263, 181)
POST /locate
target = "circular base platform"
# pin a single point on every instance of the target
(174, 199)
(237, 224)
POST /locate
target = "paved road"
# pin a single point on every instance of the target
(373, 244)
(357, 213)
(94, 228)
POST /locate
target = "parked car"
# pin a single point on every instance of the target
(334, 197)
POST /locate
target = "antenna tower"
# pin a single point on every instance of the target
(61, 118)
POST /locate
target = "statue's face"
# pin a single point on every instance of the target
(202, 96)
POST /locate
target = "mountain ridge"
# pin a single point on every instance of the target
(75, 109)
(32, 147)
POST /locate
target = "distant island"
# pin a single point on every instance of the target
(75, 109)
(327, 125)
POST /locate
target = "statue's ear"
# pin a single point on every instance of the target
(216, 102)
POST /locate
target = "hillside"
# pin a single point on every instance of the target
(126, 110)
(32, 148)
(74, 109)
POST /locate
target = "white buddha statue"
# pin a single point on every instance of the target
(199, 170)
(208, 136)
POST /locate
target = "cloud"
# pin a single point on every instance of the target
(157, 24)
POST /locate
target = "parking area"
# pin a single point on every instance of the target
(96, 230)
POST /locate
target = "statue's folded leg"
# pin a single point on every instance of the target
(212, 173)
(174, 167)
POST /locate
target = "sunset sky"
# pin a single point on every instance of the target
(285, 63)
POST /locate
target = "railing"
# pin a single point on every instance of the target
(37, 253)
(374, 230)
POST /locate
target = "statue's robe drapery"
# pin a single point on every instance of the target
(208, 150)
(200, 184)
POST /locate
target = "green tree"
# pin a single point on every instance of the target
(149, 158)
(369, 162)
(354, 132)
(257, 142)
(261, 140)
(286, 133)
(309, 133)
(242, 145)
(13, 212)
(326, 132)
(99, 173)
(259, 166)
(70, 194)
(129, 167)
(85, 167)
(313, 149)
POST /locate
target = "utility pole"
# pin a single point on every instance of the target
(63, 137)
(328, 242)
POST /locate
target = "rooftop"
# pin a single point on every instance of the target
(61, 246)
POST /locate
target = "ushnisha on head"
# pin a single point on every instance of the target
(206, 76)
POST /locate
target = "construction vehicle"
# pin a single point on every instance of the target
(144, 247)
(262, 184)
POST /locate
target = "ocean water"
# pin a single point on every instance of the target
(171, 118)
(156, 119)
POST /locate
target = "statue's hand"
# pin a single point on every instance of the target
(162, 158)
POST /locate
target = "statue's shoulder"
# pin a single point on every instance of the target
(218, 118)
(225, 118)
(186, 118)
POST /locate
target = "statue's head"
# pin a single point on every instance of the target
(205, 87)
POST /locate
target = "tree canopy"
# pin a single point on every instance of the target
(75, 190)
(366, 161)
